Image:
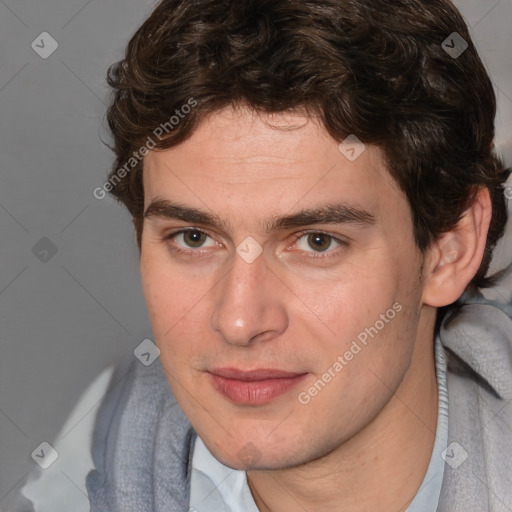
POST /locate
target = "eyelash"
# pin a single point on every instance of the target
(297, 236)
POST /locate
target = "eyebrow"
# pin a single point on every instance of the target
(331, 213)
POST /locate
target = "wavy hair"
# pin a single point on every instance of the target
(373, 68)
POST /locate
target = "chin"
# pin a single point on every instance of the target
(259, 454)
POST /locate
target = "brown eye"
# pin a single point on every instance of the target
(190, 238)
(194, 239)
(319, 241)
(317, 244)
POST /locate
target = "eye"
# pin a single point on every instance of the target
(187, 239)
(318, 241)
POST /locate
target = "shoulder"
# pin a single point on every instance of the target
(61, 486)
(478, 343)
(141, 437)
(125, 432)
(478, 339)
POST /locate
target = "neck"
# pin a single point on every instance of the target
(380, 468)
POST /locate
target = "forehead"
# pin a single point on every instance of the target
(237, 159)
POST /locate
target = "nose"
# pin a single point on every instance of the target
(248, 303)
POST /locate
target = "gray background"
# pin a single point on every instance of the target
(64, 320)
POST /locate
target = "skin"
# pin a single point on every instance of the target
(365, 440)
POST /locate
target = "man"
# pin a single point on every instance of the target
(316, 200)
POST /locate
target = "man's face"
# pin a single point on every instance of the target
(320, 292)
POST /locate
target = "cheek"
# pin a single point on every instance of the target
(155, 286)
(351, 302)
(176, 303)
(168, 294)
(371, 312)
(386, 312)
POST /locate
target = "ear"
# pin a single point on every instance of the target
(453, 260)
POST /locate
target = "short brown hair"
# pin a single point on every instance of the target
(373, 68)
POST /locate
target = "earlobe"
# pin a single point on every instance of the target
(454, 259)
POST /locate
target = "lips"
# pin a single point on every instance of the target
(253, 387)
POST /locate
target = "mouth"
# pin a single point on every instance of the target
(253, 387)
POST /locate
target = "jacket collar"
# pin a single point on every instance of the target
(480, 333)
